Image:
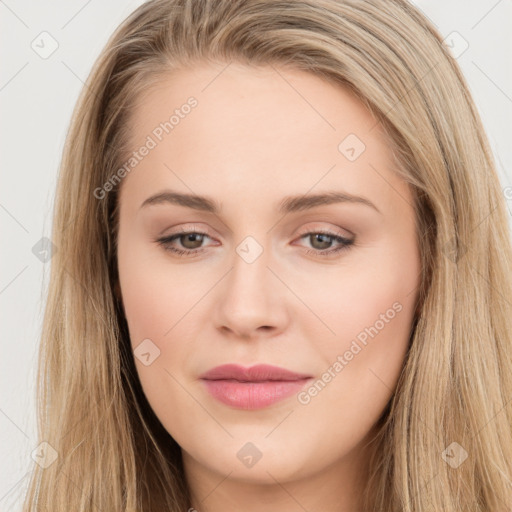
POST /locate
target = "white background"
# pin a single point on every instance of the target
(36, 99)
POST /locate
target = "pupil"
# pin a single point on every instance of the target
(324, 239)
(191, 237)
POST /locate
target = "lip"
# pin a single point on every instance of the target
(256, 373)
(252, 388)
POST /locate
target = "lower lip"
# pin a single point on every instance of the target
(252, 395)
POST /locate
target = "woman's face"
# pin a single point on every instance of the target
(304, 257)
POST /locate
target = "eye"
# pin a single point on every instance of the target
(323, 240)
(190, 240)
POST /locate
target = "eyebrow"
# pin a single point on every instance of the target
(289, 204)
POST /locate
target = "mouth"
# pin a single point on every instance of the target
(252, 388)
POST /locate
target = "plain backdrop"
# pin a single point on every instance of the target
(37, 95)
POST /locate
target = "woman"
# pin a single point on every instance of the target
(283, 271)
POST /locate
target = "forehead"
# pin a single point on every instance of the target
(235, 92)
(265, 128)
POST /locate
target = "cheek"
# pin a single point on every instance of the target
(156, 294)
(156, 299)
(356, 300)
(371, 310)
(148, 300)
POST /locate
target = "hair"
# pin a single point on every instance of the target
(456, 382)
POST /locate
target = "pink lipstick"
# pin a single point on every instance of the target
(252, 388)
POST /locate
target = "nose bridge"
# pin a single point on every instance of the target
(249, 277)
(250, 298)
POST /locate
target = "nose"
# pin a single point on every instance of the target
(251, 300)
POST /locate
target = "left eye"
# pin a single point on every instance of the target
(192, 242)
(325, 237)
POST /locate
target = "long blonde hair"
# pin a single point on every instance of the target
(112, 452)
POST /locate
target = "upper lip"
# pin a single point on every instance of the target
(257, 373)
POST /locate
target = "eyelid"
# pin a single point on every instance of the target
(333, 231)
(187, 228)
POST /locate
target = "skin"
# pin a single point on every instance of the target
(256, 136)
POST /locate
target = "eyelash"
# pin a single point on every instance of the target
(345, 243)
